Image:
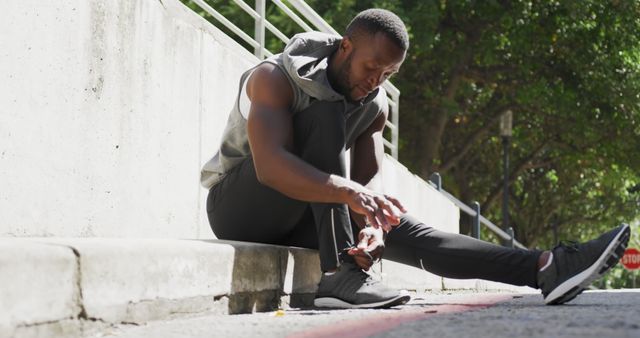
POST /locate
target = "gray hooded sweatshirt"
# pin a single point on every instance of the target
(304, 61)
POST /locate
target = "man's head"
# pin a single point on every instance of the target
(372, 49)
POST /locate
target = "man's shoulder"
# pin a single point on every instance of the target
(269, 73)
(268, 80)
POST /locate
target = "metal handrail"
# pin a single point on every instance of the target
(257, 16)
(436, 182)
(257, 43)
(294, 16)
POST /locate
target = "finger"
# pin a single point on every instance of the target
(388, 227)
(374, 245)
(376, 220)
(390, 212)
(360, 252)
(392, 220)
(382, 219)
(375, 236)
(385, 204)
(396, 203)
(370, 215)
(363, 244)
(375, 239)
(375, 251)
(364, 240)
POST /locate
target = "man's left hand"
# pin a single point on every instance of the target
(370, 247)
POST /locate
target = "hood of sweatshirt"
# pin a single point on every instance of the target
(306, 58)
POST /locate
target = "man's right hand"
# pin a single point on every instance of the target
(380, 210)
(370, 247)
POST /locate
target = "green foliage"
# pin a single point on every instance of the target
(619, 277)
(569, 71)
(246, 23)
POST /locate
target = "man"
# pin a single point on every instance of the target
(279, 177)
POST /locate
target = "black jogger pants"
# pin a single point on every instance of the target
(241, 208)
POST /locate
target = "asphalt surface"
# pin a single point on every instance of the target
(593, 314)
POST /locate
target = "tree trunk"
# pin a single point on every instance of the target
(433, 140)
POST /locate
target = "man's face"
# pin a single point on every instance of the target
(370, 60)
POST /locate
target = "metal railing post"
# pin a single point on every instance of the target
(475, 230)
(437, 180)
(505, 236)
(259, 28)
(511, 237)
(395, 132)
(313, 17)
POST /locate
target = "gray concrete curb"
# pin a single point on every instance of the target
(66, 287)
(53, 282)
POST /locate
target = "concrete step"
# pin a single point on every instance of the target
(55, 286)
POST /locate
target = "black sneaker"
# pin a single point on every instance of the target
(350, 288)
(575, 266)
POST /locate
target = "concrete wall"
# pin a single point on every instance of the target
(107, 111)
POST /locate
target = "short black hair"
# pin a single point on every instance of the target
(374, 20)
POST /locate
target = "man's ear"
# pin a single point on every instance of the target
(346, 45)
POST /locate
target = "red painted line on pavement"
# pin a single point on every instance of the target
(370, 325)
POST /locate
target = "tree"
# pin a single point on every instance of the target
(570, 72)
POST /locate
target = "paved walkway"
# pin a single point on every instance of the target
(593, 314)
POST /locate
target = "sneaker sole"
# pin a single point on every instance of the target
(336, 303)
(578, 283)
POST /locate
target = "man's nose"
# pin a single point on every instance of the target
(375, 80)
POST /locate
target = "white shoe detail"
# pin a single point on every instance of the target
(331, 302)
(546, 265)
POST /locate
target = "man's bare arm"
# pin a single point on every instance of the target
(270, 129)
(366, 163)
(366, 160)
(367, 155)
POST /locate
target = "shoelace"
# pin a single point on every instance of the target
(364, 277)
(375, 260)
(571, 246)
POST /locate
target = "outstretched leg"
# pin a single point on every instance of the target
(561, 273)
(459, 256)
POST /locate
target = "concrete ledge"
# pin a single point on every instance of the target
(58, 286)
(118, 273)
(121, 279)
(38, 284)
(48, 283)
